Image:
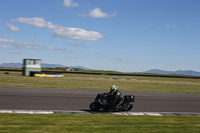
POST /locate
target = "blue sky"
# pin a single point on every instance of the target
(119, 35)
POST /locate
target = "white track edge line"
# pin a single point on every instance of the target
(92, 112)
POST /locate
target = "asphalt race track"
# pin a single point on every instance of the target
(28, 98)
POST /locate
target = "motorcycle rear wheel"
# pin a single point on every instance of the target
(95, 106)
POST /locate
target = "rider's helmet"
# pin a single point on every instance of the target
(113, 88)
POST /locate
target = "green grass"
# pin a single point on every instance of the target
(39, 123)
(88, 81)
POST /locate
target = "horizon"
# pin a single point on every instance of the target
(114, 35)
(102, 69)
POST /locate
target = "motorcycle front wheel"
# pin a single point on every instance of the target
(129, 107)
(95, 106)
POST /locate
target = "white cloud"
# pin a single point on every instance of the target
(70, 3)
(124, 61)
(72, 56)
(12, 27)
(37, 22)
(32, 38)
(97, 13)
(61, 31)
(75, 44)
(77, 34)
(8, 47)
(31, 46)
(170, 26)
(51, 48)
(66, 51)
(150, 25)
(18, 45)
(63, 50)
(6, 40)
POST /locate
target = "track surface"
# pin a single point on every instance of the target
(27, 98)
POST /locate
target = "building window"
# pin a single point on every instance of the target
(32, 62)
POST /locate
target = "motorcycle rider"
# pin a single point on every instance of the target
(117, 97)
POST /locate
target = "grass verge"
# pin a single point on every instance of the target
(84, 81)
(97, 123)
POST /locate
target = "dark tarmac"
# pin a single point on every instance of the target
(28, 98)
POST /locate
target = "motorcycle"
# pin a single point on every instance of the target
(102, 101)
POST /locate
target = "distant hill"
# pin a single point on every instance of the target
(179, 72)
(79, 67)
(52, 65)
(19, 65)
(11, 65)
(156, 71)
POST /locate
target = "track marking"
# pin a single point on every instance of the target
(93, 112)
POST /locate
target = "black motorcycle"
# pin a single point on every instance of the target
(103, 101)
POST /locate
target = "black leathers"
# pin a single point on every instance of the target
(116, 98)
